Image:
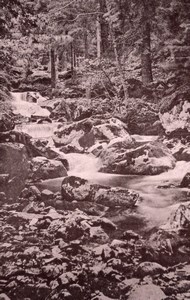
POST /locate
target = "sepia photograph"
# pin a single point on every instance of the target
(94, 149)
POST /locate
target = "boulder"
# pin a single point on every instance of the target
(71, 133)
(179, 219)
(149, 292)
(43, 168)
(31, 192)
(175, 110)
(4, 297)
(14, 162)
(76, 188)
(179, 149)
(6, 122)
(116, 197)
(142, 118)
(186, 180)
(86, 133)
(149, 268)
(125, 157)
(47, 195)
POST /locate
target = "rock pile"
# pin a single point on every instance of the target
(54, 254)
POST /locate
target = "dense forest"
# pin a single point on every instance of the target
(94, 149)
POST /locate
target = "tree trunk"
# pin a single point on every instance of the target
(86, 43)
(146, 62)
(72, 58)
(104, 28)
(53, 68)
(117, 58)
(98, 37)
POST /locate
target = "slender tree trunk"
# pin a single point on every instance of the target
(72, 58)
(53, 68)
(104, 28)
(86, 46)
(146, 62)
(98, 37)
(117, 58)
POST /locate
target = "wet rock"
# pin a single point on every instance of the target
(67, 278)
(130, 235)
(101, 296)
(47, 195)
(3, 197)
(76, 291)
(98, 234)
(43, 168)
(148, 291)
(180, 148)
(175, 115)
(115, 196)
(179, 219)
(85, 134)
(13, 161)
(129, 284)
(64, 294)
(6, 122)
(4, 297)
(144, 159)
(186, 180)
(142, 117)
(149, 268)
(183, 286)
(71, 133)
(31, 191)
(76, 188)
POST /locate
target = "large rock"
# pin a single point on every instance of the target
(175, 110)
(148, 268)
(123, 157)
(43, 168)
(149, 292)
(142, 118)
(177, 118)
(179, 149)
(186, 180)
(86, 133)
(6, 122)
(71, 133)
(14, 163)
(76, 188)
(179, 219)
(72, 109)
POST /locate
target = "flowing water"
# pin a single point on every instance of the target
(38, 130)
(27, 109)
(157, 203)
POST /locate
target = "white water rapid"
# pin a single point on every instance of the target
(38, 130)
(157, 203)
(27, 109)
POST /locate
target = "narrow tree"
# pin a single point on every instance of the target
(146, 61)
(148, 14)
(111, 16)
(53, 67)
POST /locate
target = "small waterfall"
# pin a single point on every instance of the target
(27, 109)
(83, 165)
(38, 130)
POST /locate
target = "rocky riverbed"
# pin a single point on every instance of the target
(70, 231)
